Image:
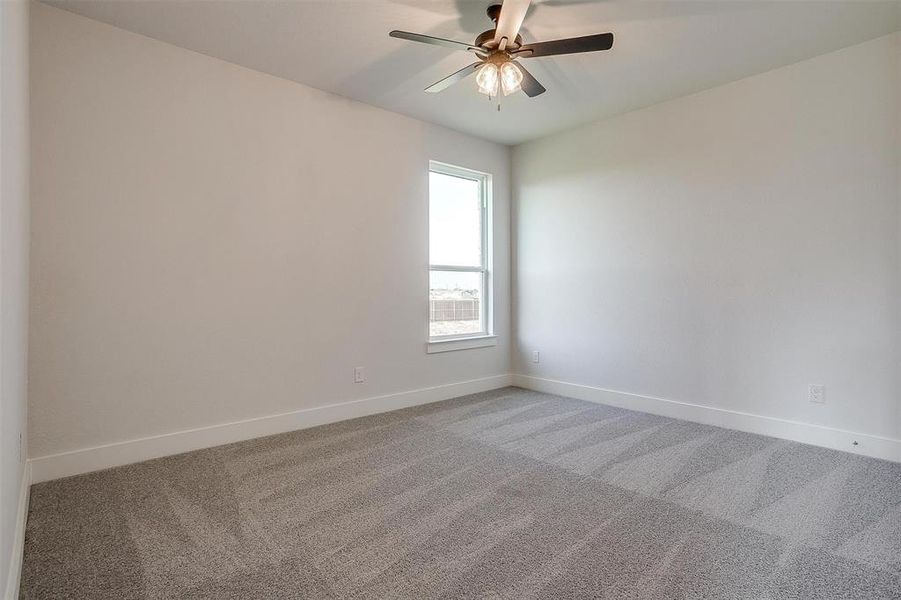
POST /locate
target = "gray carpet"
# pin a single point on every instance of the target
(506, 494)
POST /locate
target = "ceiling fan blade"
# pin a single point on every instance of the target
(435, 41)
(529, 84)
(510, 20)
(454, 78)
(588, 43)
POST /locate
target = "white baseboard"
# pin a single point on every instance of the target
(817, 435)
(45, 468)
(76, 462)
(14, 573)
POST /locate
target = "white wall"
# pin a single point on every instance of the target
(726, 248)
(13, 273)
(212, 244)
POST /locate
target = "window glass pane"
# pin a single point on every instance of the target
(455, 221)
(455, 303)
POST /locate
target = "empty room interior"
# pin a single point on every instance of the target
(416, 299)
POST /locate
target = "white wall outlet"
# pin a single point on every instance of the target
(359, 374)
(816, 393)
(536, 357)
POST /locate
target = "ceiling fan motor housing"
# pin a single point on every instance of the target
(486, 38)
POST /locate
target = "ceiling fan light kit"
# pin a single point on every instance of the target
(506, 73)
(498, 49)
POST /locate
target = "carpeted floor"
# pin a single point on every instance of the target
(506, 494)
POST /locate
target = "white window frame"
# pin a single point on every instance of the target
(485, 337)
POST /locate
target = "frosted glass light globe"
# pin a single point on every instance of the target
(487, 79)
(511, 77)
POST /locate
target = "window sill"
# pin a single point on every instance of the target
(482, 341)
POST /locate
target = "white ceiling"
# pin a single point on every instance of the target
(663, 49)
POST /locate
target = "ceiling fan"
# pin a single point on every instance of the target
(498, 49)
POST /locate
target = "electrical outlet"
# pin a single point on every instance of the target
(536, 357)
(359, 374)
(816, 393)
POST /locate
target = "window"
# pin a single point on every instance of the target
(459, 254)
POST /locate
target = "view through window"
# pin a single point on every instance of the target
(458, 261)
